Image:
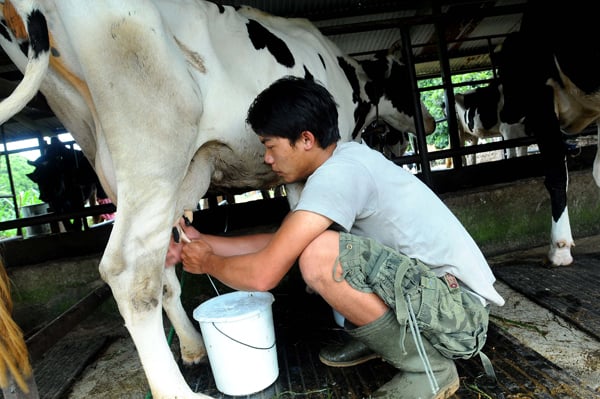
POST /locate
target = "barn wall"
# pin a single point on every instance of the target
(516, 215)
(43, 291)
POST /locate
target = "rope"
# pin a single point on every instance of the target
(487, 366)
(414, 328)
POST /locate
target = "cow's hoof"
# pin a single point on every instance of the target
(559, 257)
(189, 359)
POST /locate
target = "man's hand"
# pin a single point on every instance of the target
(194, 256)
(181, 234)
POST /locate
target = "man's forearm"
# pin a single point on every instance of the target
(240, 272)
(237, 245)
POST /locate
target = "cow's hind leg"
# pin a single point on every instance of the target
(190, 340)
(135, 274)
(194, 186)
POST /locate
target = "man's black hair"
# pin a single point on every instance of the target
(292, 105)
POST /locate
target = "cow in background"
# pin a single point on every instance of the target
(156, 92)
(550, 73)
(389, 138)
(384, 138)
(478, 115)
(67, 182)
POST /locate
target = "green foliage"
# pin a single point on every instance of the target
(25, 189)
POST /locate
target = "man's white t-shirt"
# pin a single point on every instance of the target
(368, 195)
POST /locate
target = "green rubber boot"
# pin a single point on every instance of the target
(350, 353)
(383, 337)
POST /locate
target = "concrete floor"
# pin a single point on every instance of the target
(552, 336)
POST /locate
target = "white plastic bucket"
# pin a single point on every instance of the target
(240, 341)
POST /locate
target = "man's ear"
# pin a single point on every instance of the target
(307, 139)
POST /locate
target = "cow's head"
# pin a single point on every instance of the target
(63, 178)
(49, 184)
(384, 138)
(50, 174)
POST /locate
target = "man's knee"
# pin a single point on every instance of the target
(318, 257)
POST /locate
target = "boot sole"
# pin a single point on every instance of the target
(351, 363)
(449, 390)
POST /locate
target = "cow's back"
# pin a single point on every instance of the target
(243, 51)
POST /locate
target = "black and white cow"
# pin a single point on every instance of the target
(156, 92)
(478, 115)
(384, 138)
(550, 72)
(66, 182)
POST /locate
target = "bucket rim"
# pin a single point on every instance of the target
(205, 312)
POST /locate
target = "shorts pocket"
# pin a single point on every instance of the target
(453, 321)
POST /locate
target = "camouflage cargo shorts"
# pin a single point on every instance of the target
(454, 321)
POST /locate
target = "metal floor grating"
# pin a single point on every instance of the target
(304, 323)
(571, 292)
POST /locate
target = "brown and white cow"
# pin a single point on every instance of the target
(156, 94)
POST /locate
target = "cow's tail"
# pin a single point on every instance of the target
(26, 16)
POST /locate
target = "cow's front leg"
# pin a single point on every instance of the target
(190, 341)
(554, 157)
(561, 238)
(561, 241)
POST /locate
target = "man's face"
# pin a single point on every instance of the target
(286, 160)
